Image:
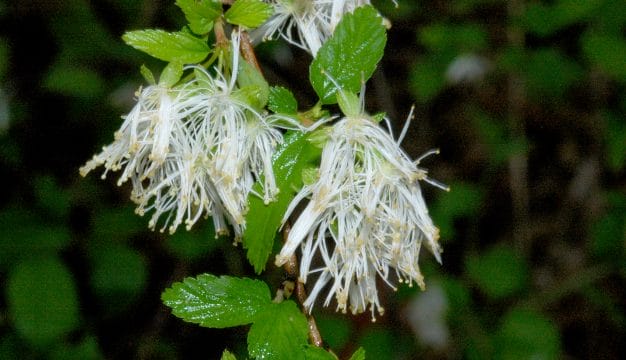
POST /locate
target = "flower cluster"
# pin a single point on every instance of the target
(305, 23)
(193, 150)
(365, 217)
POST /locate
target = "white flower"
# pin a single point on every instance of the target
(306, 24)
(193, 151)
(365, 217)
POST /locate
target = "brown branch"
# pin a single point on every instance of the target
(247, 50)
(291, 268)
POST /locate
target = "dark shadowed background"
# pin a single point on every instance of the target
(525, 100)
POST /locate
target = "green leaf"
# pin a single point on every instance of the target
(248, 13)
(43, 300)
(217, 302)
(549, 73)
(526, 334)
(23, 235)
(499, 272)
(282, 101)
(71, 80)
(262, 221)
(463, 200)
(359, 354)
(171, 74)
(339, 326)
(200, 14)
(147, 74)
(118, 275)
(179, 46)
(350, 56)
(316, 353)
(280, 331)
(227, 355)
(253, 87)
(606, 51)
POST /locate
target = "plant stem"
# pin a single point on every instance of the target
(291, 267)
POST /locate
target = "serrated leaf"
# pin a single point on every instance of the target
(167, 46)
(218, 302)
(279, 332)
(248, 13)
(282, 101)
(359, 354)
(350, 56)
(43, 300)
(171, 74)
(262, 221)
(200, 14)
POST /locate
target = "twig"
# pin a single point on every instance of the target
(291, 267)
(247, 50)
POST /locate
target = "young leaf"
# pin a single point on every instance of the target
(350, 56)
(282, 101)
(200, 14)
(171, 74)
(248, 13)
(217, 302)
(262, 220)
(279, 332)
(227, 355)
(179, 46)
(147, 74)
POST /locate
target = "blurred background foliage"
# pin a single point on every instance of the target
(525, 99)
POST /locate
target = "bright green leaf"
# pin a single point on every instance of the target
(525, 334)
(263, 220)
(171, 74)
(282, 101)
(350, 56)
(43, 300)
(248, 13)
(359, 354)
(499, 272)
(280, 331)
(217, 302)
(179, 46)
(200, 14)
